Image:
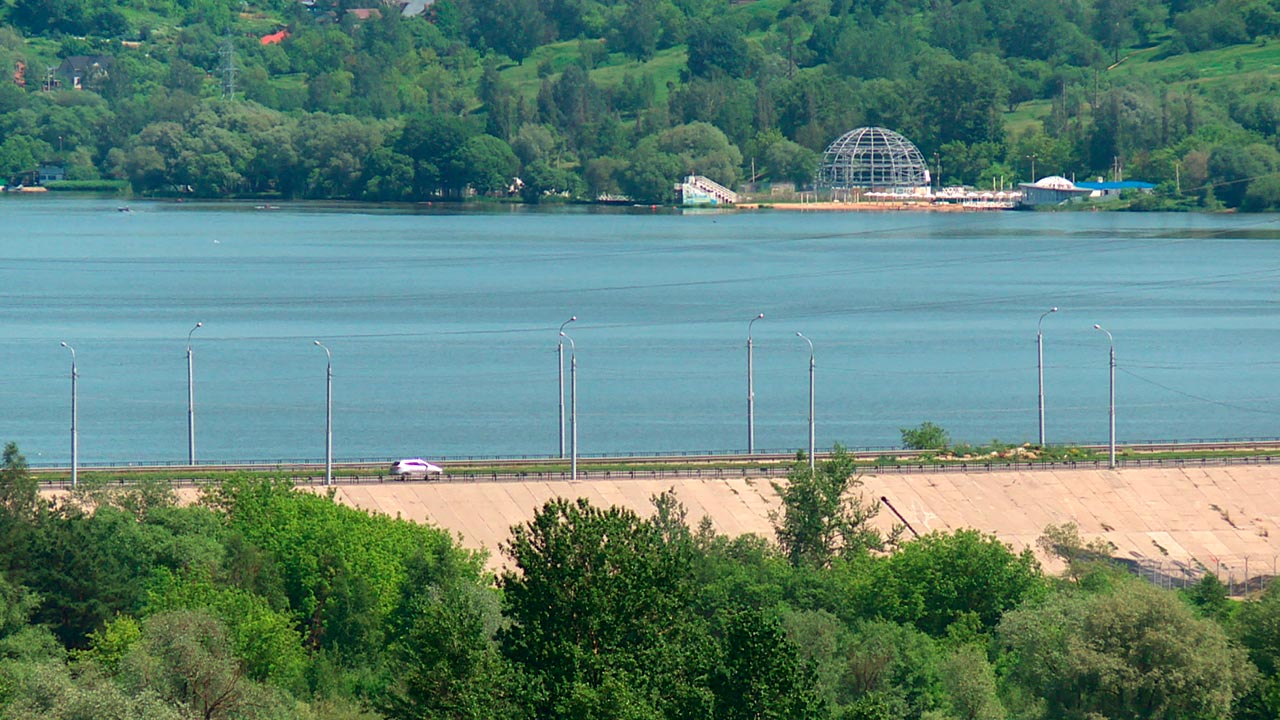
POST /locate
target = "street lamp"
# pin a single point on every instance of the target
(191, 402)
(751, 392)
(328, 417)
(802, 337)
(573, 404)
(75, 433)
(1040, 365)
(1032, 156)
(1112, 441)
(560, 352)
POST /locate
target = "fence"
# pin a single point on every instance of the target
(1240, 576)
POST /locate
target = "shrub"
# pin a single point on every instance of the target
(925, 436)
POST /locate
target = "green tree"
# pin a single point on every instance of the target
(1255, 625)
(702, 149)
(820, 519)
(937, 580)
(970, 684)
(435, 143)
(1233, 168)
(650, 173)
(761, 676)
(19, 489)
(925, 436)
(341, 568)
(596, 594)
(512, 27)
(789, 161)
(490, 164)
(1064, 542)
(186, 659)
(18, 154)
(717, 47)
(1133, 652)
(443, 661)
(636, 28)
(1263, 195)
(965, 99)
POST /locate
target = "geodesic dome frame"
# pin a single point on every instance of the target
(872, 158)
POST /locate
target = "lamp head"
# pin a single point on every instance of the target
(199, 324)
(573, 318)
(760, 316)
(1096, 326)
(63, 344)
(562, 334)
(1053, 309)
(317, 342)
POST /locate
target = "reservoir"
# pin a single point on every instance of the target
(443, 328)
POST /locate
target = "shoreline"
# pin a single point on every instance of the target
(868, 206)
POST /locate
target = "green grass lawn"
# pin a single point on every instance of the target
(664, 67)
(1260, 60)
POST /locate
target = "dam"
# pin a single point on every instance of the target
(1175, 523)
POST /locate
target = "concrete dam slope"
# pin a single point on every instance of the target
(1182, 520)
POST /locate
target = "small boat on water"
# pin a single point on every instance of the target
(124, 209)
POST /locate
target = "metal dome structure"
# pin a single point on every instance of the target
(873, 158)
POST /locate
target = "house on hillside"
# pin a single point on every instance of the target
(274, 38)
(413, 8)
(49, 172)
(81, 71)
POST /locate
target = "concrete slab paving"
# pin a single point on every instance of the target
(1167, 517)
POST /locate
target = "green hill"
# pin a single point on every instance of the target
(592, 97)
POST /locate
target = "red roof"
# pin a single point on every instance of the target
(275, 37)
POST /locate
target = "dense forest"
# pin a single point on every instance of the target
(262, 601)
(355, 99)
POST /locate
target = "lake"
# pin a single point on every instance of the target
(443, 327)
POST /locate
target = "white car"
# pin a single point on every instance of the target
(415, 467)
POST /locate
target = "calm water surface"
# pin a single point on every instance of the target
(443, 328)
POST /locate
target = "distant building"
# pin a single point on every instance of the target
(1057, 190)
(274, 38)
(876, 159)
(50, 173)
(411, 8)
(699, 190)
(80, 71)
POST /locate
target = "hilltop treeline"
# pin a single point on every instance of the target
(261, 601)
(581, 98)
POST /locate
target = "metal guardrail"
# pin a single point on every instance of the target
(765, 472)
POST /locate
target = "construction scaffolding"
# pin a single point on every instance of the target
(873, 158)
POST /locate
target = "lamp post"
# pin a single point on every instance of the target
(751, 391)
(1032, 156)
(560, 352)
(573, 405)
(191, 402)
(1112, 438)
(802, 337)
(1040, 365)
(328, 416)
(75, 433)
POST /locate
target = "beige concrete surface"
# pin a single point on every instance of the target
(1212, 517)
